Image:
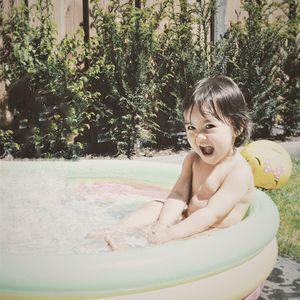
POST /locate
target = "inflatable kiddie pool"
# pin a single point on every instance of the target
(226, 264)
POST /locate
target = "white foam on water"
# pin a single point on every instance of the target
(43, 213)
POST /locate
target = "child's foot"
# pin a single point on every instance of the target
(98, 233)
(112, 236)
(114, 241)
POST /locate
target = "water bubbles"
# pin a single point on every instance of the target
(42, 212)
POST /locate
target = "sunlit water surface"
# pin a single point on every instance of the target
(44, 214)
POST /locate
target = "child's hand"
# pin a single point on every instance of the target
(158, 234)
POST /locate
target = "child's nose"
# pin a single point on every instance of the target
(200, 137)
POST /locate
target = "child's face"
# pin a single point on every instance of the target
(209, 137)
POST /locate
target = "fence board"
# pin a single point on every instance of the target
(7, 7)
(67, 16)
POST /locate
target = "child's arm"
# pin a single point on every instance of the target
(179, 196)
(234, 187)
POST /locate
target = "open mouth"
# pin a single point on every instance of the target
(207, 150)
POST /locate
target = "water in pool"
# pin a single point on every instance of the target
(44, 213)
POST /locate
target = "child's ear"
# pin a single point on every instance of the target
(238, 132)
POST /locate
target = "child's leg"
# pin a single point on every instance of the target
(145, 215)
(142, 217)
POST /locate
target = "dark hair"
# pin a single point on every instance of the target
(226, 102)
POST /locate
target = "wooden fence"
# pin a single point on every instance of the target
(69, 15)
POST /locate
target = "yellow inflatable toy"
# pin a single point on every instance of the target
(270, 162)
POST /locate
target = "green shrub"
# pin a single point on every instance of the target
(251, 49)
(290, 103)
(26, 47)
(7, 144)
(121, 63)
(182, 57)
(124, 89)
(69, 86)
(46, 87)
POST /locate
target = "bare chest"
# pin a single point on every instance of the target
(208, 178)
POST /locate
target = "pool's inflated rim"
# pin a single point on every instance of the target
(136, 270)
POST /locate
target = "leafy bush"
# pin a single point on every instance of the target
(7, 145)
(46, 90)
(182, 57)
(291, 95)
(69, 86)
(251, 51)
(25, 47)
(121, 61)
(124, 89)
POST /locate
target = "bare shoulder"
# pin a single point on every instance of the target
(190, 159)
(187, 165)
(191, 156)
(241, 171)
(181, 189)
(241, 165)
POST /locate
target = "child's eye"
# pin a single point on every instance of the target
(190, 127)
(209, 126)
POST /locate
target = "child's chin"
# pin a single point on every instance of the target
(209, 159)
